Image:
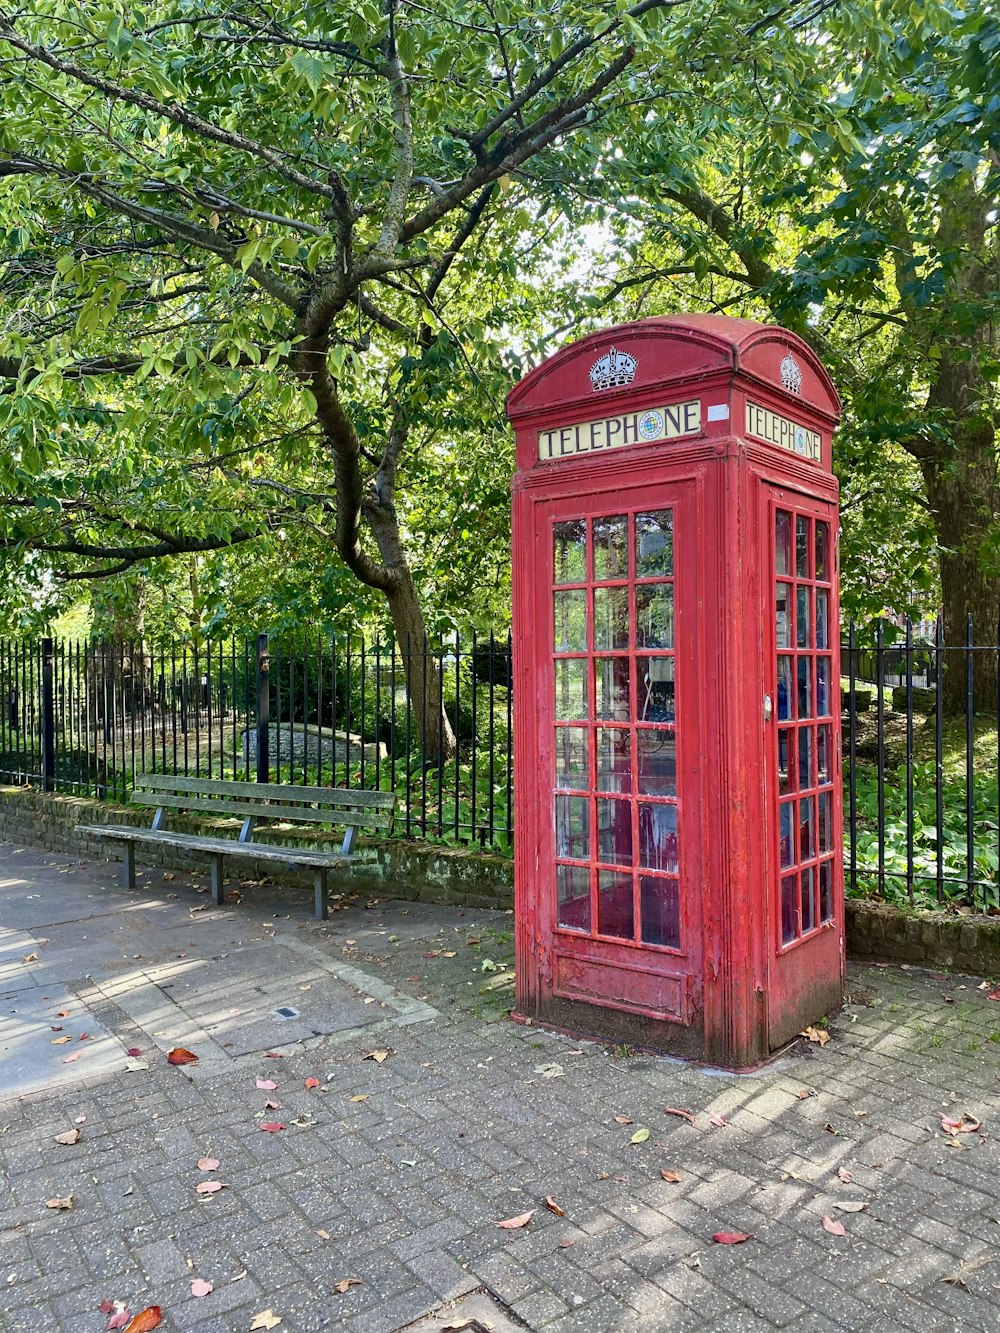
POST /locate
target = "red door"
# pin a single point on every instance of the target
(615, 716)
(802, 785)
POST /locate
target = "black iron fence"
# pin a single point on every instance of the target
(921, 744)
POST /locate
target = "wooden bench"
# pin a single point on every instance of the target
(254, 802)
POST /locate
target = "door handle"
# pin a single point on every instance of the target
(768, 708)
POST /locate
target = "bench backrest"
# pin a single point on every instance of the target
(267, 800)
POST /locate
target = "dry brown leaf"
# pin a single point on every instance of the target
(553, 1207)
(70, 1059)
(672, 1176)
(209, 1187)
(718, 1120)
(684, 1115)
(852, 1206)
(379, 1056)
(145, 1320)
(835, 1228)
(515, 1223)
(966, 1124)
(623, 1120)
(60, 1041)
(345, 1283)
(803, 1093)
(199, 1287)
(71, 1136)
(360, 1097)
(311, 1083)
(323, 1235)
(30, 958)
(730, 1237)
(266, 1319)
(208, 1163)
(448, 953)
(266, 1084)
(844, 1175)
(565, 1244)
(272, 1106)
(815, 1035)
(58, 1202)
(273, 1126)
(180, 1056)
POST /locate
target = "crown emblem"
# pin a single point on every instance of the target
(613, 369)
(791, 375)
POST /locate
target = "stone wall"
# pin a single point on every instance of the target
(418, 870)
(943, 940)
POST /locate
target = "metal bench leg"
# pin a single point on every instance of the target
(128, 865)
(319, 882)
(217, 880)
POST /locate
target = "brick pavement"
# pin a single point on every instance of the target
(395, 1173)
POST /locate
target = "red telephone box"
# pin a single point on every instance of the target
(678, 856)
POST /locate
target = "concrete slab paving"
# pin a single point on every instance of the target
(375, 1204)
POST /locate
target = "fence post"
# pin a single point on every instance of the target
(48, 720)
(263, 708)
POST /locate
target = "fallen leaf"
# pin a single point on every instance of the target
(30, 958)
(58, 1202)
(71, 1136)
(676, 1110)
(457, 1325)
(312, 1083)
(63, 1013)
(967, 1124)
(266, 1319)
(266, 1084)
(994, 994)
(553, 1207)
(134, 1051)
(274, 1055)
(640, 1135)
(816, 1035)
(208, 1163)
(852, 1206)
(80, 1119)
(360, 1097)
(830, 1129)
(84, 1036)
(550, 1071)
(209, 1187)
(730, 1237)
(448, 953)
(180, 1056)
(60, 1041)
(119, 1320)
(106, 1307)
(345, 1283)
(273, 1126)
(623, 1120)
(672, 1176)
(55, 1027)
(719, 1120)
(565, 1244)
(272, 1106)
(145, 1320)
(844, 1175)
(803, 1093)
(835, 1228)
(323, 1235)
(199, 1287)
(379, 1057)
(70, 1058)
(514, 1223)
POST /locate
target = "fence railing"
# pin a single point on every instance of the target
(921, 740)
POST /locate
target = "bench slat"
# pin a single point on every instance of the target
(280, 791)
(197, 842)
(338, 816)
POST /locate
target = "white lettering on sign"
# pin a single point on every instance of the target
(656, 423)
(767, 425)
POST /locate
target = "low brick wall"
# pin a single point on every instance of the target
(415, 870)
(943, 940)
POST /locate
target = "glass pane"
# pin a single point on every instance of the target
(807, 829)
(656, 689)
(822, 618)
(610, 548)
(785, 689)
(611, 674)
(614, 760)
(826, 891)
(787, 837)
(610, 618)
(802, 618)
(615, 913)
(654, 545)
(805, 687)
(658, 837)
(822, 687)
(570, 622)
(805, 758)
(826, 822)
(782, 595)
(657, 763)
(824, 742)
(572, 768)
(573, 827)
(573, 886)
(802, 547)
(785, 778)
(571, 688)
(570, 541)
(654, 615)
(614, 832)
(822, 550)
(789, 908)
(808, 899)
(783, 542)
(659, 905)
